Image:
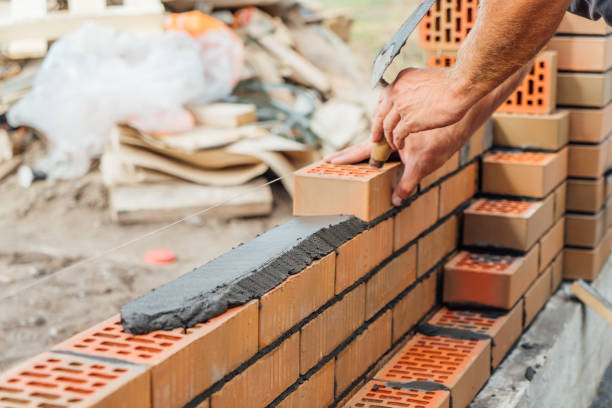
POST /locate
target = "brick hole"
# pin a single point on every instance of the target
(74, 400)
(70, 380)
(11, 390)
(75, 364)
(138, 340)
(144, 356)
(44, 395)
(101, 375)
(13, 380)
(98, 384)
(32, 374)
(148, 349)
(52, 360)
(113, 344)
(14, 400)
(78, 390)
(41, 384)
(100, 349)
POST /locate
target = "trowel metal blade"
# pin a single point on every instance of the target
(394, 46)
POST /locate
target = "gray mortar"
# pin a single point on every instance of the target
(453, 333)
(245, 273)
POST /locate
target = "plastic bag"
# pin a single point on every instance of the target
(96, 77)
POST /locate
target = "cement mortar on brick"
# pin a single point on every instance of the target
(247, 272)
(568, 345)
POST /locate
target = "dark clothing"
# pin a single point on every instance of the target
(593, 9)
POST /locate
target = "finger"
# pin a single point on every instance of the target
(400, 133)
(382, 109)
(353, 154)
(406, 187)
(392, 119)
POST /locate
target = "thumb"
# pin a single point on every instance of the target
(406, 186)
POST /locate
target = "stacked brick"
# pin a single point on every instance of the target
(584, 50)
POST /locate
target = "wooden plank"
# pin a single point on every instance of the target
(593, 299)
(146, 203)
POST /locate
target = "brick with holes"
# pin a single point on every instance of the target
(551, 244)
(262, 382)
(458, 188)
(324, 333)
(584, 230)
(446, 25)
(63, 380)
(587, 161)
(585, 195)
(317, 391)
(582, 53)
(590, 125)
(538, 91)
(380, 394)
(182, 364)
(510, 224)
(296, 298)
(414, 305)
(359, 190)
(588, 89)
(524, 174)
(390, 281)
(489, 280)
(537, 296)
(437, 244)
(503, 327)
(411, 221)
(461, 365)
(526, 131)
(586, 263)
(362, 352)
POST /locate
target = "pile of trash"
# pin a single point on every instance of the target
(207, 107)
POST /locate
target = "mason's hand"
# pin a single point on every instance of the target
(418, 100)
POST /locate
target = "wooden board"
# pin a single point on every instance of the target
(167, 202)
(593, 299)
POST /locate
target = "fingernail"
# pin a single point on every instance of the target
(396, 200)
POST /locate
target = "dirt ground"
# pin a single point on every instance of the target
(56, 277)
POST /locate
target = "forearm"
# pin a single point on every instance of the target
(507, 34)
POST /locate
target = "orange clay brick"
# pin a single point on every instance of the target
(390, 281)
(504, 328)
(579, 53)
(360, 190)
(574, 24)
(463, 366)
(584, 230)
(537, 296)
(363, 351)
(379, 394)
(458, 189)
(551, 244)
(557, 272)
(437, 244)
(317, 391)
(324, 333)
(585, 195)
(579, 263)
(446, 25)
(507, 223)
(54, 380)
(182, 364)
(538, 91)
(526, 174)
(448, 167)
(588, 161)
(412, 307)
(265, 380)
(560, 200)
(296, 298)
(590, 125)
(489, 280)
(441, 60)
(416, 218)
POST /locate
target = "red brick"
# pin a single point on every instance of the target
(357, 189)
(416, 218)
(462, 365)
(585, 195)
(265, 380)
(437, 244)
(296, 298)
(537, 296)
(557, 272)
(324, 333)
(525, 131)
(317, 391)
(560, 199)
(584, 230)
(590, 125)
(504, 329)
(587, 161)
(412, 307)
(551, 244)
(182, 365)
(445, 26)
(587, 89)
(489, 280)
(390, 281)
(60, 380)
(579, 263)
(458, 189)
(507, 223)
(448, 167)
(358, 356)
(525, 174)
(378, 394)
